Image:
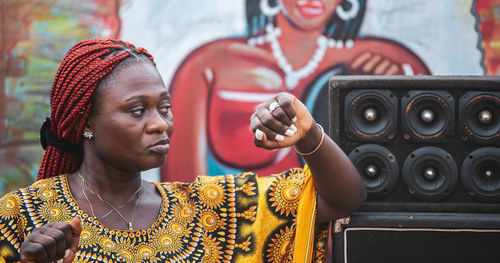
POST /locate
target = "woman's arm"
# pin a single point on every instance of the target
(339, 185)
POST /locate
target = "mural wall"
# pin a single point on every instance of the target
(34, 36)
(221, 58)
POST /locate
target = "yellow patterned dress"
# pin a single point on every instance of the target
(230, 218)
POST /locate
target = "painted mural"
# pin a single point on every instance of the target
(221, 58)
(34, 36)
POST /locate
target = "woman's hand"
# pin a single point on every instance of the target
(281, 121)
(53, 242)
(284, 121)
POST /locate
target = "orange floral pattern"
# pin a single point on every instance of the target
(214, 219)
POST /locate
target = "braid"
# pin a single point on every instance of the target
(81, 71)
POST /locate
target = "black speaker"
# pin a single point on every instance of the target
(417, 237)
(427, 115)
(402, 135)
(379, 168)
(428, 152)
(479, 117)
(370, 115)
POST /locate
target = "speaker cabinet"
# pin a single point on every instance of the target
(417, 237)
(428, 151)
(421, 143)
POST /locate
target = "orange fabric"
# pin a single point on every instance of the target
(305, 221)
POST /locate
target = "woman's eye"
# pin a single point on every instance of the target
(165, 109)
(137, 111)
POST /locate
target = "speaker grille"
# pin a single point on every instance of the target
(370, 115)
(378, 168)
(481, 174)
(430, 173)
(428, 116)
(479, 117)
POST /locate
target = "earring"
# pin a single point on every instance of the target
(349, 14)
(268, 10)
(88, 134)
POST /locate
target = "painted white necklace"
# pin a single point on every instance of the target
(292, 77)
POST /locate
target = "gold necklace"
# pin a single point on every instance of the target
(112, 209)
(129, 223)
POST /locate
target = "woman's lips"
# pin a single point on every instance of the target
(160, 148)
(310, 9)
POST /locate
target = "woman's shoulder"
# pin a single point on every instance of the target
(44, 187)
(226, 49)
(386, 47)
(48, 183)
(379, 42)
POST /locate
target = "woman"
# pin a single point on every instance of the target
(293, 46)
(110, 120)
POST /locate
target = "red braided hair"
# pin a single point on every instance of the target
(81, 71)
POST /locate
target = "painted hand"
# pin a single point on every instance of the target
(368, 63)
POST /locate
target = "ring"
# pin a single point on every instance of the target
(273, 106)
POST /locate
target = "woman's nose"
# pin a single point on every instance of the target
(156, 123)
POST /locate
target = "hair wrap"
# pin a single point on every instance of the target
(47, 138)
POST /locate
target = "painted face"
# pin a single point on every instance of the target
(309, 14)
(132, 122)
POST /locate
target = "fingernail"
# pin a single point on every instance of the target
(289, 133)
(60, 260)
(259, 134)
(66, 253)
(294, 119)
(294, 129)
(279, 137)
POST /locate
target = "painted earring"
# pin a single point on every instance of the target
(88, 134)
(268, 10)
(349, 14)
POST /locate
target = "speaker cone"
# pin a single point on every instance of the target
(480, 174)
(430, 173)
(378, 168)
(427, 115)
(479, 117)
(370, 115)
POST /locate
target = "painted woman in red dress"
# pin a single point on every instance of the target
(293, 46)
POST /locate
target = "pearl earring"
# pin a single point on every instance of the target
(348, 14)
(88, 134)
(267, 10)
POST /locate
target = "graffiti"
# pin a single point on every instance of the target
(489, 14)
(34, 37)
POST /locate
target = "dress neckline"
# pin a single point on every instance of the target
(89, 219)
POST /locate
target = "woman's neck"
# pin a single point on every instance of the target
(110, 183)
(297, 45)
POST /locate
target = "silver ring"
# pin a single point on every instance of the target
(273, 106)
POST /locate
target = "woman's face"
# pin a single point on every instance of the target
(131, 121)
(309, 14)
